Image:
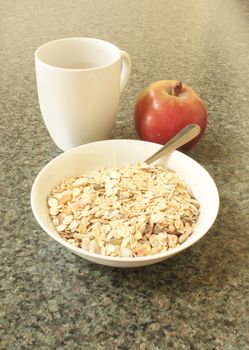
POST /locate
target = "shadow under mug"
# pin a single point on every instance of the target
(79, 82)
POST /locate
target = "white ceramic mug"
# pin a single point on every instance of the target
(79, 82)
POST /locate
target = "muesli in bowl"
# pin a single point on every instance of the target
(96, 201)
(126, 211)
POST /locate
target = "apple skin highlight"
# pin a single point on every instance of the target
(164, 108)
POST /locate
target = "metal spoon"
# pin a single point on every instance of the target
(185, 135)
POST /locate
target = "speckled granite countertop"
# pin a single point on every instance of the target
(51, 299)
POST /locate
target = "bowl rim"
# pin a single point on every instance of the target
(96, 256)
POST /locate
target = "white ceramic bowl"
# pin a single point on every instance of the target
(109, 153)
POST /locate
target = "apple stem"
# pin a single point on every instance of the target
(177, 88)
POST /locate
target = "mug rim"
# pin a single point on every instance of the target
(41, 47)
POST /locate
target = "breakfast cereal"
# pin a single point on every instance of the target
(124, 211)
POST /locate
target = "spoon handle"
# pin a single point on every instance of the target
(185, 135)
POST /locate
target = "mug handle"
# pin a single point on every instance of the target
(126, 69)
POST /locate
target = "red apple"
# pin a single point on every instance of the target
(164, 108)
